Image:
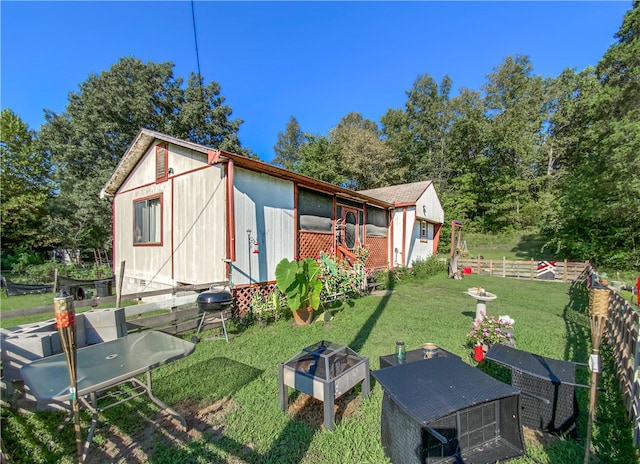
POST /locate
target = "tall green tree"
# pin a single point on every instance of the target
(26, 186)
(86, 142)
(204, 118)
(599, 200)
(418, 135)
(319, 159)
(466, 188)
(366, 159)
(287, 147)
(515, 106)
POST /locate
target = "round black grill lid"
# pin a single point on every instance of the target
(214, 296)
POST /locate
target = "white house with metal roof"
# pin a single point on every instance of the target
(188, 214)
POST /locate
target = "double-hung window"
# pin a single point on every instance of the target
(147, 223)
(424, 230)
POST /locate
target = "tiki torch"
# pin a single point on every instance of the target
(598, 313)
(66, 325)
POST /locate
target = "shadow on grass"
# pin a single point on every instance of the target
(612, 432)
(532, 246)
(202, 382)
(365, 331)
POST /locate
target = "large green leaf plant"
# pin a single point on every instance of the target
(299, 281)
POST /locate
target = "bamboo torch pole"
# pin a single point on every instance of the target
(598, 313)
(66, 325)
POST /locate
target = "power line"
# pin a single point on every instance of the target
(195, 39)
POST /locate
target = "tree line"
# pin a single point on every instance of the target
(558, 155)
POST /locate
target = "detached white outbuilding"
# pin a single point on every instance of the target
(186, 214)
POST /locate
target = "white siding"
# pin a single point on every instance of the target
(193, 224)
(199, 226)
(421, 249)
(429, 207)
(264, 205)
(411, 248)
(146, 267)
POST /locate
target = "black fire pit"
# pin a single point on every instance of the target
(325, 371)
(213, 300)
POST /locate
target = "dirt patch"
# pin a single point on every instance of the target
(311, 411)
(120, 447)
(538, 436)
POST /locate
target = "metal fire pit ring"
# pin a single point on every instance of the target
(325, 371)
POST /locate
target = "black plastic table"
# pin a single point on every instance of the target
(548, 386)
(441, 410)
(389, 360)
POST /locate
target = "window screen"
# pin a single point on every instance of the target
(315, 211)
(376, 222)
(147, 217)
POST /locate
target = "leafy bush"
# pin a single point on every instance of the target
(268, 307)
(339, 278)
(44, 273)
(20, 260)
(431, 266)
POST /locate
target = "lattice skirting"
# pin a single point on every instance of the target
(242, 296)
(312, 243)
(378, 248)
(310, 246)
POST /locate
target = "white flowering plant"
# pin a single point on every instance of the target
(488, 330)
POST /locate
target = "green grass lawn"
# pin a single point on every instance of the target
(229, 391)
(514, 246)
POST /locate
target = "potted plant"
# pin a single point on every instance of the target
(299, 281)
(488, 330)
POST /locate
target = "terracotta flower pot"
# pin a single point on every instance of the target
(303, 316)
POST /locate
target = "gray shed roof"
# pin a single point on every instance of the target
(403, 193)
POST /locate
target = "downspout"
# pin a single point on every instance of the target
(295, 222)
(231, 218)
(390, 255)
(404, 235)
(172, 231)
(113, 235)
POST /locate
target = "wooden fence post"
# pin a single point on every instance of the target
(532, 271)
(119, 289)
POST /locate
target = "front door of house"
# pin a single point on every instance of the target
(350, 233)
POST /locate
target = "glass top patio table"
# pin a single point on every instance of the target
(103, 365)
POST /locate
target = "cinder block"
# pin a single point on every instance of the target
(102, 325)
(21, 349)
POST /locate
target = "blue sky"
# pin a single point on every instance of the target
(316, 61)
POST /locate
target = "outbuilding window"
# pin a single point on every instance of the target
(147, 223)
(424, 230)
